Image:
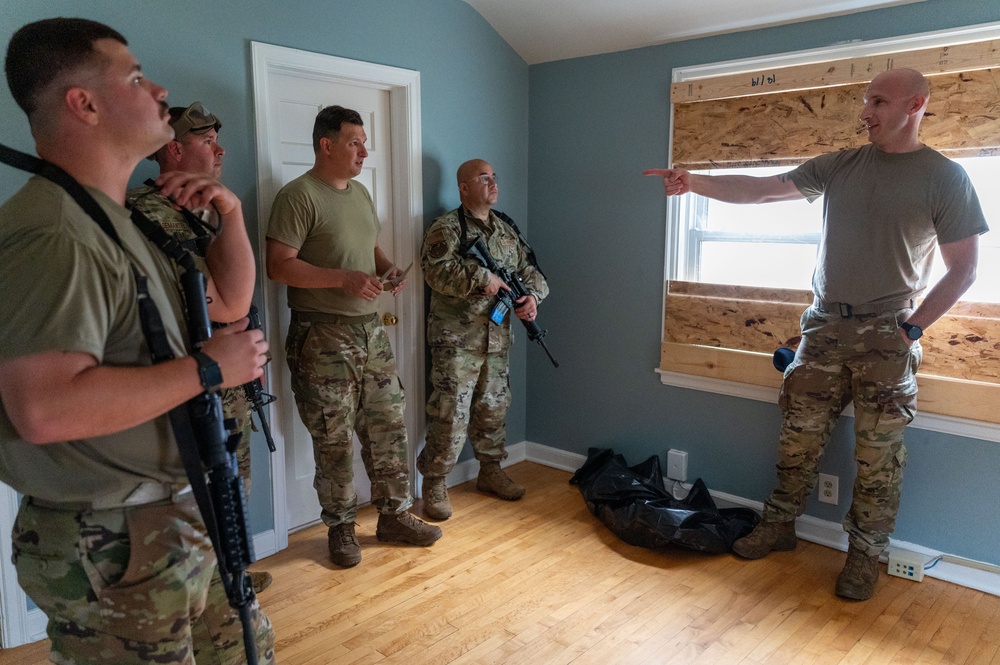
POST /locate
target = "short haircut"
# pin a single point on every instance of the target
(329, 121)
(40, 52)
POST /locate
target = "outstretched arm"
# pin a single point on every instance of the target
(728, 188)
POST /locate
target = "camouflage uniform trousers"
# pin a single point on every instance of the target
(131, 585)
(345, 382)
(236, 405)
(864, 359)
(470, 398)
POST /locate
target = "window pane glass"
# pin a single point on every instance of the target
(790, 264)
(781, 219)
(985, 174)
(771, 264)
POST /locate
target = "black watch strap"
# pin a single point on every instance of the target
(209, 372)
(912, 331)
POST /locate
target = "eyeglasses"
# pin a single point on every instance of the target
(486, 179)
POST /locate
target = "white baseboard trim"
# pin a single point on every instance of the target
(35, 622)
(265, 544)
(957, 570)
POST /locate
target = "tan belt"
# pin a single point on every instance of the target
(324, 317)
(140, 495)
(847, 311)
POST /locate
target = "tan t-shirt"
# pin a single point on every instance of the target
(66, 286)
(331, 228)
(883, 215)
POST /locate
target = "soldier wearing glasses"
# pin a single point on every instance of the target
(225, 258)
(469, 370)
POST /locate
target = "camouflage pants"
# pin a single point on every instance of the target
(236, 405)
(864, 359)
(471, 394)
(130, 585)
(345, 382)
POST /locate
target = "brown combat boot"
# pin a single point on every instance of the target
(345, 550)
(767, 537)
(260, 580)
(437, 506)
(492, 480)
(406, 528)
(857, 579)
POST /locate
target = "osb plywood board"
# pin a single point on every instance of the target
(963, 344)
(962, 119)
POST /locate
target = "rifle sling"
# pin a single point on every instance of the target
(510, 222)
(153, 329)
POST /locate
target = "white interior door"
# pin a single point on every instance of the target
(290, 88)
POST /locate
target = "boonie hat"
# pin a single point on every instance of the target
(194, 119)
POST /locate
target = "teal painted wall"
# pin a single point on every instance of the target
(570, 150)
(474, 96)
(598, 227)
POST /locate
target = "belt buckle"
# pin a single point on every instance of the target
(846, 311)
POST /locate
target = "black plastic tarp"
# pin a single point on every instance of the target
(634, 504)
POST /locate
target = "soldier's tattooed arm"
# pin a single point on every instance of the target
(728, 188)
(746, 189)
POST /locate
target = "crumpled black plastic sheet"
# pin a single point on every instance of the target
(635, 505)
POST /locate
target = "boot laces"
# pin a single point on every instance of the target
(345, 535)
(437, 493)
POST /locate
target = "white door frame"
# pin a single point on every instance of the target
(403, 86)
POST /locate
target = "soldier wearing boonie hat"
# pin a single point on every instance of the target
(195, 148)
(194, 119)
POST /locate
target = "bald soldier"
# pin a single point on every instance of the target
(469, 353)
(887, 206)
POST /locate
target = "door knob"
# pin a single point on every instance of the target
(389, 319)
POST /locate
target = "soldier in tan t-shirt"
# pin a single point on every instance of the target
(887, 205)
(322, 241)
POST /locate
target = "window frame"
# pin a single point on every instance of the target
(680, 244)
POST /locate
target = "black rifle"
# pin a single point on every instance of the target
(217, 448)
(506, 300)
(255, 389)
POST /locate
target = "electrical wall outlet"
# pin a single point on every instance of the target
(828, 488)
(677, 465)
(904, 563)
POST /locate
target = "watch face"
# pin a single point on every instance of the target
(209, 372)
(912, 331)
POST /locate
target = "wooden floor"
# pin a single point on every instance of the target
(541, 581)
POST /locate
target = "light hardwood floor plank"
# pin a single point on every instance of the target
(541, 581)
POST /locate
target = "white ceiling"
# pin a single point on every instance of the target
(546, 30)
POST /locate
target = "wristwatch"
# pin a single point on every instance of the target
(912, 331)
(208, 372)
